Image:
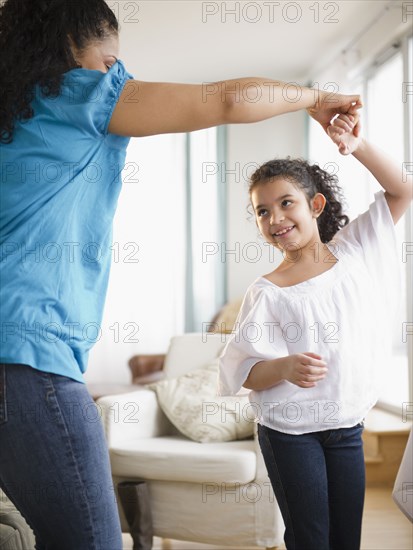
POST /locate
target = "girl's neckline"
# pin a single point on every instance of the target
(312, 280)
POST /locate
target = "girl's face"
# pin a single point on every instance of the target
(99, 56)
(283, 215)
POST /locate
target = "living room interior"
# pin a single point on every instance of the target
(186, 248)
(194, 280)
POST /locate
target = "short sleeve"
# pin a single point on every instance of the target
(257, 336)
(372, 235)
(372, 231)
(88, 97)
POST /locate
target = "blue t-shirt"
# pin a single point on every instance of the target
(59, 186)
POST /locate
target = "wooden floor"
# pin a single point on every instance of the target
(384, 528)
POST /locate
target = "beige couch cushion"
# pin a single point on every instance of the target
(191, 404)
(175, 458)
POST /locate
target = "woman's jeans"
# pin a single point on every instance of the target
(54, 463)
(319, 482)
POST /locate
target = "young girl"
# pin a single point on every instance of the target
(312, 335)
(68, 108)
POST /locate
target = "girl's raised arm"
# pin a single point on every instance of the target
(396, 181)
(392, 177)
(149, 108)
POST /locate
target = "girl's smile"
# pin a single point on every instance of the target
(284, 232)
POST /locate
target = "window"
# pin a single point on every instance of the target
(161, 285)
(144, 305)
(205, 229)
(385, 127)
(384, 119)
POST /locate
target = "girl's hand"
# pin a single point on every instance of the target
(305, 369)
(345, 132)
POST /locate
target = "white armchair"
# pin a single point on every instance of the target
(214, 493)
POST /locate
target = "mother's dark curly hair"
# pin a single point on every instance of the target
(312, 180)
(35, 49)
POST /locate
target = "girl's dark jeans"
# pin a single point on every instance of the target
(319, 483)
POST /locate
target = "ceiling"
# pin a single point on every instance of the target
(197, 41)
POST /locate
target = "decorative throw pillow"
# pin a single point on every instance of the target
(191, 404)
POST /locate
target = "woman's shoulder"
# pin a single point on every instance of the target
(86, 101)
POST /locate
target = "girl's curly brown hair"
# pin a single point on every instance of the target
(35, 46)
(312, 180)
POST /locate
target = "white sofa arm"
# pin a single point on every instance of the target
(262, 473)
(130, 416)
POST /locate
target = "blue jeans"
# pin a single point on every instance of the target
(319, 483)
(54, 462)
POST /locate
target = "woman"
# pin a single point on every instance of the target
(68, 108)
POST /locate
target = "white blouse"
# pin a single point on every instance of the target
(345, 314)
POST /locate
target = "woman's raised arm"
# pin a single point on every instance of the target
(149, 108)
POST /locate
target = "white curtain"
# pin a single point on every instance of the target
(206, 225)
(381, 85)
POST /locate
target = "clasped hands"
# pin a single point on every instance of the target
(338, 116)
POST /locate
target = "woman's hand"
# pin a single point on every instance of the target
(330, 105)
(345, 133)
(305, 369)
